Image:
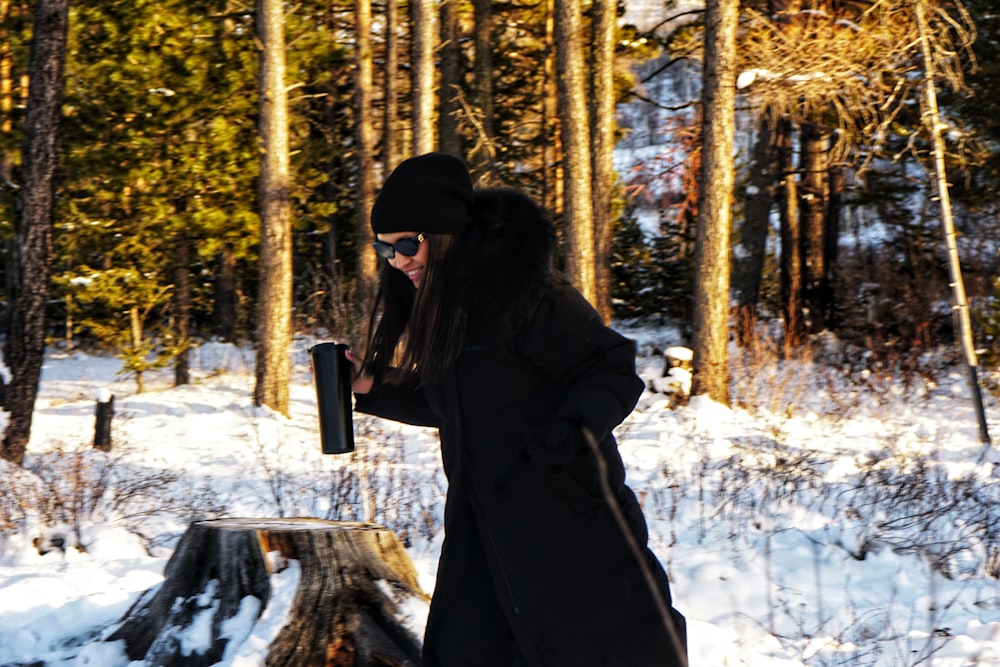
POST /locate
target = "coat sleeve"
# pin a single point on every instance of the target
(567, 339)
(402, 403)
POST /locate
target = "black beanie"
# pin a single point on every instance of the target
(429, 193)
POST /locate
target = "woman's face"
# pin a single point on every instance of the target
(414, 266)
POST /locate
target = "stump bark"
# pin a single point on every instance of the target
(103, 414)
(354, 580)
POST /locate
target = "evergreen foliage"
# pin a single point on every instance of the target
(630, 268)
(325, 244)
(160, 139)
(117, 304)
(519, 87)
(652, 274)
(160, 145)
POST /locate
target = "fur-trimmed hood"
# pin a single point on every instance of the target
(505, 256)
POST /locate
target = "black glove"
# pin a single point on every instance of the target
(557, 446)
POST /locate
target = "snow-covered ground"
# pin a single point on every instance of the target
(828, 518)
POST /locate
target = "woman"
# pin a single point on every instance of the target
(474, 333)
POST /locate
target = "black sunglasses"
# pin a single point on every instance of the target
(406, 247)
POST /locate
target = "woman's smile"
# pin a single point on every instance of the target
(414, 274)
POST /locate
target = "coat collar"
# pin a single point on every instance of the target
(506, 254)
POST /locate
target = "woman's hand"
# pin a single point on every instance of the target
(361, 382)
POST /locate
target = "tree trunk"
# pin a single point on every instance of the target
(831, 244)
(449, 138)
(814, 194)
(365, 153)
(354, 581)
(571, 86)
(32, 256)
(391, 135)
(749, 266)
(484, 154)
(551, 169)
(422, 71)
(711, 300)
(932, 119)
(603, 143)
(791, 258)
(224, 299)
(274, 319)
(7, 154)
(136, 334)
(182, 307)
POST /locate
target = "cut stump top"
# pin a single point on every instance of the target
(355, 580)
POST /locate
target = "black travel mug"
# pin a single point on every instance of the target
(332, 374)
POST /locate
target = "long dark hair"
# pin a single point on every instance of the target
(503, 257)
(415, 331)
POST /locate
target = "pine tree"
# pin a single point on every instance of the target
(159, 141)
(25, 343)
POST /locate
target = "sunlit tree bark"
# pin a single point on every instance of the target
(932, 120)
(274, 307)
(571, 85)
(603, 144)
(422, 72)
(790, 261)
(365, 147)
(391, 134)
(710, 333)
(814, 194)
(552, 170)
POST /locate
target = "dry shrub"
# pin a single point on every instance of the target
(378, 485)
(20, 492)
(67, 487)
(897, 499)
(912, 504)
(373, 483)
(768, 377)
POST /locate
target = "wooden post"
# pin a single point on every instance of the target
(355, 578)
(676, 377)
(103, 415)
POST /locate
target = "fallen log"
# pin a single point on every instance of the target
(355, 579)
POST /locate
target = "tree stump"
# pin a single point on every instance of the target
(354, 579)
(103, 414)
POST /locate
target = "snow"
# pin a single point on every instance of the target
(680, 353)
(829, 517)
(746, 78)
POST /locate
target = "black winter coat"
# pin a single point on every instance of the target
(534, 568)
